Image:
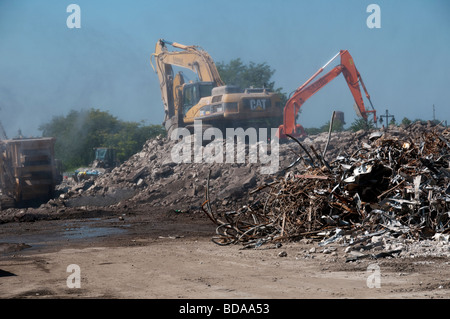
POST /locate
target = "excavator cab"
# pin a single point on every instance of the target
(105, 157)
(193, 92)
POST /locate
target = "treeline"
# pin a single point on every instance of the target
(361, 124)
(253, 74)
(338, 126)
(79, 132)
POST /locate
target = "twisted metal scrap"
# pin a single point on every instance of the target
(401, 186)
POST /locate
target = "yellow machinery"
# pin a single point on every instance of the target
(28, 171)
(209, 99)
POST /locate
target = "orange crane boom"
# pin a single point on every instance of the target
(305, 91)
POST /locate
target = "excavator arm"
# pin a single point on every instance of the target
(189, 57)
(305, 91)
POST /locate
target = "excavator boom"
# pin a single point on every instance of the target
(189, 57)
(353, 78)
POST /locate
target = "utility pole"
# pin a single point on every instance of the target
(434, 114)
(386, 116)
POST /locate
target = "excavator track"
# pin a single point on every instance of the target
(6, 202)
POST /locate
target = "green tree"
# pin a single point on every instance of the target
(406, 121)
(313, 130)
(338, 126)
(79, 132)
(253, 74)
(393, 122)
(130, 138)
(361, 124)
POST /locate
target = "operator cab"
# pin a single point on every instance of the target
(105, 157)
(193, 92)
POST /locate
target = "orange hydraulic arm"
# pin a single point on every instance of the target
(304, 92)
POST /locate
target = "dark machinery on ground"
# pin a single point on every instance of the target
(28, 171)
(104, 161)
(105, 157)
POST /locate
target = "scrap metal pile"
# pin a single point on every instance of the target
(394, 185)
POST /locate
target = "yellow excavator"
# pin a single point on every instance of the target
(209, 99)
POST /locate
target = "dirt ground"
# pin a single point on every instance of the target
(161, 253)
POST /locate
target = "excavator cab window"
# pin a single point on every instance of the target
(100, 154)
(193, 92)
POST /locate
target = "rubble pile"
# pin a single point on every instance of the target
(376, 193)
(393, 187)
(153, 178)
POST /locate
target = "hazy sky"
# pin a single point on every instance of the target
(47, 69)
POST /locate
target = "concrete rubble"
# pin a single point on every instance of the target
(378, 194)
(152, 177)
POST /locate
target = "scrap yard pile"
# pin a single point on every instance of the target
(392, 185)
(365, 189)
